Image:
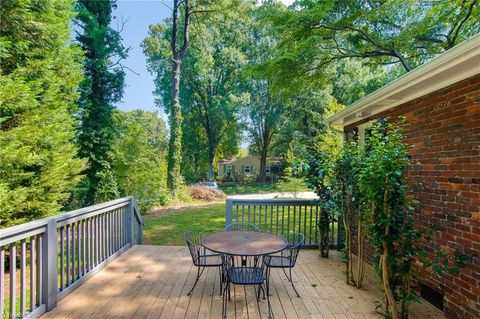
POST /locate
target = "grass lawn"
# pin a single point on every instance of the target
(168, 228)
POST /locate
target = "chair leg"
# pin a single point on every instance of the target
(286, 275)
(270, 312)
(199, 273)
(224, 300)
(291, 281)
(268, 280)
(220, 271)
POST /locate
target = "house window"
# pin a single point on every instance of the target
(247, 169)
(228, 169)
(267, 170)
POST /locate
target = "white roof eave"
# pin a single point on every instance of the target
(461, 62)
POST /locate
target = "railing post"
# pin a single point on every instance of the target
(131, 225)
(228, 215)
(140, 225)
(50, 265)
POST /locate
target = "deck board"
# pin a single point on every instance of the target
(152, 282)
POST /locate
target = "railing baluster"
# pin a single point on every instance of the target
(288, 219)
(79, 252)
(84, 245)
(2, 280)
(62, 258)
(115, 234)
(23, 277)
(67, 235)
(109, 235)
(119, 228)
(90, 243)
(39, 270)
(97, 252)
(32, 273)
(105, 234)
(122, 227)
(101, 238)
(276, 219)
(305, 221)
(13, 281)
(73, 253)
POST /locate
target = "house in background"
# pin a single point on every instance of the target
(247, 168)
(441, 102)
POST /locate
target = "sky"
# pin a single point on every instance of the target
(137, 16)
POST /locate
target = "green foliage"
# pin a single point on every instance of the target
(209, 81)
(100, 90)
(348, 201)
(391, 227)
(140, 150)
(318, 35)
(39, 76)
(263, 113)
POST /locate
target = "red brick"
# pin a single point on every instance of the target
(444, 132)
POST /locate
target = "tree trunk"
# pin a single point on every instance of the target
(262, 176)
(361, 251)
(212, 148)
(211, 172)
(175, 142)
(323, 229)
(391, 303)
(174, 177)
(346, 226)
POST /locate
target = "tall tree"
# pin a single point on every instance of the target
(209, 72)
(39, 75)
(179, 45)
(101, 89)
(263, 112)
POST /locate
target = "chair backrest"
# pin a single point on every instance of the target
(194, 243)
(244, 265)
(295, 240)
(242, 227)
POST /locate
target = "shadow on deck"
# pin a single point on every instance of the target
(152, 282)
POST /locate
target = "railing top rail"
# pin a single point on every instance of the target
(25, 230)
(137, 214)
(90, 209)
(275, 201)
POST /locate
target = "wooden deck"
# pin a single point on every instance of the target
(152, 282)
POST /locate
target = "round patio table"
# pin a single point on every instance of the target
(244, 243)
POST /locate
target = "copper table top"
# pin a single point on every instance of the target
(244, 243)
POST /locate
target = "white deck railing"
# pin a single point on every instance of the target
(43, 261)
(281, 216)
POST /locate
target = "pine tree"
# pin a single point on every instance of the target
(39, 76)
(101, 89)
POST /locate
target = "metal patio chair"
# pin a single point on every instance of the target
(246, 271)
(242, 227)
(202, 257)
(286, 259)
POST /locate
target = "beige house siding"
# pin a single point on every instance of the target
(245, 166)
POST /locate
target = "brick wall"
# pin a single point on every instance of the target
(444, 131)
